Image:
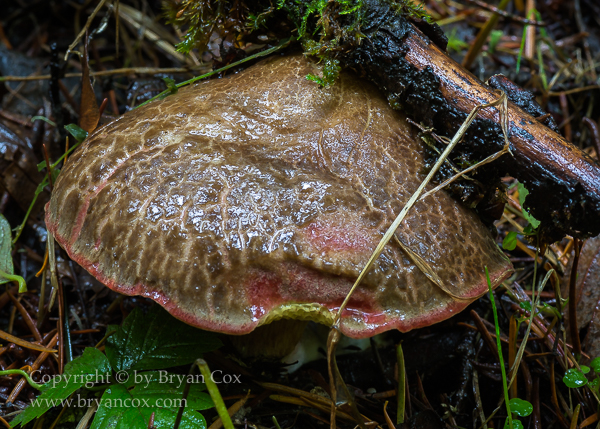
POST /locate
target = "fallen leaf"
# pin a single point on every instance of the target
(89, 112)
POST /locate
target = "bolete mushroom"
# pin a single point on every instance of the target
(260, 196)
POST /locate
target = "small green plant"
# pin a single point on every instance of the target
(577, 377)
(495, 37)
(455, 44)
(129, 383)
(510, 241)
(7, 271)
(517, 406)
(533, 222)
(535, 14)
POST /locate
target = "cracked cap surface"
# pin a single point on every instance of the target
(261, 196)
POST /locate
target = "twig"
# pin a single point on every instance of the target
(26, 317)
(38, 362)
(485, 334)
(126, 70)
(269, 51)
(478, 403)
(401, 384)
(595, 131)
(573, 91)
(489, 159)
(26, 344)
(84, 29)
(564, 105)
(529, 52)
(482, 36)
(506, 14)
(573, 301)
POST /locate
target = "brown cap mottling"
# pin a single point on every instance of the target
(259, 196)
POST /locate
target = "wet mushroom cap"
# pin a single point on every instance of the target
(260, 196)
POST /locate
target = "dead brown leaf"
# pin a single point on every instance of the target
(89, 113)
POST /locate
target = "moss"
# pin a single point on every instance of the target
(319, 25)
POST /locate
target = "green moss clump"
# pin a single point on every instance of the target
(318, 24)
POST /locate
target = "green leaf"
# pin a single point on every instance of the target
(521, 49)
(574, 378)
(79, 133)
(495, 37)
(167, 385)
(594, 384)
(516, 424)
(521, 407)
(595, 364)
(91, 367)
(510, 241)
(155, 341)
(584, 369)
(523, 192)
(6, 262)
(550, 310)
(456, 44)
(525, 305)
(124, 408)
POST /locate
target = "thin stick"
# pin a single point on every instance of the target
(25, 344)
(575, 417)
(222, 69)
(506, 14)
(53, 276)
(125, 70)
(529, 52)
(573, 91)
(573, 302)
(489, 159)
(49, 169)
(26, 317)
(84, 29)
(478, 403)
(482, 36)
(401, 384)
(38, 362)
(534, 303)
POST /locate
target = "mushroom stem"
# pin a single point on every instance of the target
(274, 341)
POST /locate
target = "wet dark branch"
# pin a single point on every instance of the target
(420, 79)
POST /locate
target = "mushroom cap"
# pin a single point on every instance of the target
(261, 196)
